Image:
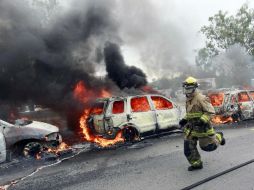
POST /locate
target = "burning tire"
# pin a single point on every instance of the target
(32, 149)
(130, 134)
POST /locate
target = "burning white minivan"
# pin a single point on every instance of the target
(27, 137)
(136, 116)
(232, 105)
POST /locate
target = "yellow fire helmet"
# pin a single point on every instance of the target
(191, 81)
(189, 85)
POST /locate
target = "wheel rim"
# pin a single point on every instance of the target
(32, 149)
(129, 134)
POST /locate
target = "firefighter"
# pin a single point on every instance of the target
(196, 125)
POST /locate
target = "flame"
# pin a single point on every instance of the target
(218, 119)
(243, 97)
(38, 156)
(61, 147)
(140, 104)
(105, 93)
(84, 95)
(149, 89)
(161, 103)
(92, 138)
(80, 90)
(216, 99)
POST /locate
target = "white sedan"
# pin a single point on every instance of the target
(27, 137)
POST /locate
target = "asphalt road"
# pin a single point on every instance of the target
(157, 163)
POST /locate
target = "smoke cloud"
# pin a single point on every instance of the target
(234, 67)
(124, 76)
(37, 60)
(42, 59)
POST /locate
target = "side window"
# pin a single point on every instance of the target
(97, 108)
(161, 103)
(118, 107)
(140, 104)
(243, 97)
(252, 94)
(216, 99)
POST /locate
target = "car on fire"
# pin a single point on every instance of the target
(136, 116)
(233, 105)
(27, 137)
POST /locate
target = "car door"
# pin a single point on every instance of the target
(246, 104)
(141, 114)
(97, 113)
(12, 133)
(167, 115)
(2, 146)
(116, 113)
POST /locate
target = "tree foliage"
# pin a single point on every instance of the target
(225, 33)
(226, 30)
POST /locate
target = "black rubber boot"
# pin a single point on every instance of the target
(191, 168)
(223, 140)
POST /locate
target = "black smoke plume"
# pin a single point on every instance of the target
(124, 76)
(41, 63)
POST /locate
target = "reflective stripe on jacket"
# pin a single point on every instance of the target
(194, 133)
(199, 107)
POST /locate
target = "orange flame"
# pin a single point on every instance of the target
(149, 89)
(218, 119)
(92, 138)
(216, 99)
(61, 147)
(85, 95)
(38, 156)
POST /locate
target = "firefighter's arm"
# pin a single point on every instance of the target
(208, 110)
(183, 121)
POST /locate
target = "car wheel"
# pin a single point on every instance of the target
(32, 149)
(129, 134)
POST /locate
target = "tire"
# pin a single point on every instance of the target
(32, 149)
(129, 134)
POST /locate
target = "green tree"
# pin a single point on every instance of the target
(229, 46)
(226, 30)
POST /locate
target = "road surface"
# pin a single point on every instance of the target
(157, 163)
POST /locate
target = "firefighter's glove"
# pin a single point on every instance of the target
(183, 122)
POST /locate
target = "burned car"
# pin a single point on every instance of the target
(27, 137)
(232, 105)
(136, 116)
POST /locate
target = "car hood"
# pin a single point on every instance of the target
(42, 126)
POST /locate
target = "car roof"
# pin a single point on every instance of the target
(128, 96)
(226, 91)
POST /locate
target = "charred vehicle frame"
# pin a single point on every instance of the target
(136, 116)
(237, 104)
(27, 137)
